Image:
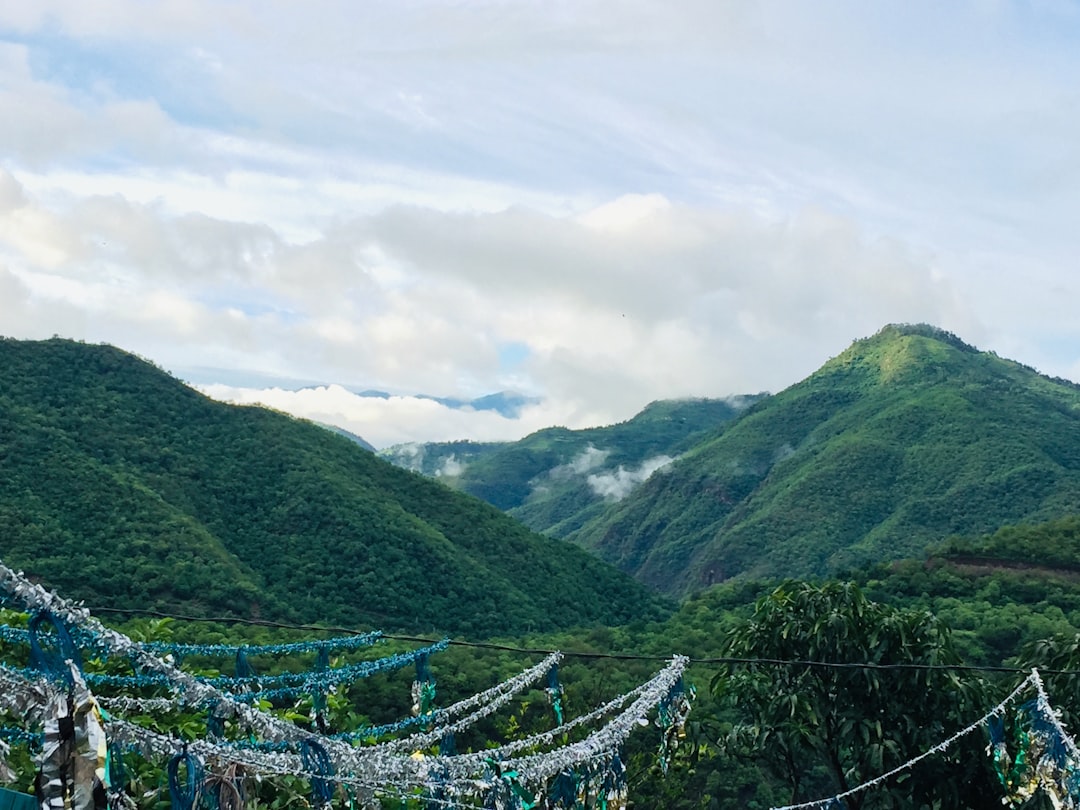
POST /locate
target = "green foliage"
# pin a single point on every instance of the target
(998, 592)
(904, 439)
(123, 487)
(824, 730)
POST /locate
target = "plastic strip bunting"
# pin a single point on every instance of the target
(1046, 756)
(21, 635)
(499, 777)
(473, 708)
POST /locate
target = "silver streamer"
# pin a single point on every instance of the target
(488, 701)
(6, 774)
(36, 598)
(378, 770)
(483, 703)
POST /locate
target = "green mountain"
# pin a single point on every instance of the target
(902, 440)
(122, 486)
(555, 480)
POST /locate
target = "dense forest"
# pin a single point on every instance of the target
(125, 488)
(122, 486)
(998, 600)
(906, 437)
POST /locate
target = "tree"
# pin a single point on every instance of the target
(823, 730)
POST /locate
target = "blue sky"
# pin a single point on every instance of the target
(594, 203)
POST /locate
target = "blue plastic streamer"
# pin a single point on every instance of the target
(244, 670)
(555, 694)
(423, 689)
(294, 683)
(318, 696)
(563, 792)
(20, 635)
(14, 635)
(447, 745)
(185, 795)
(332, 677)
(316, 760)
(342, 644)
(52, 662)
(19, 735)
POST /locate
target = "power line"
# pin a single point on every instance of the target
(587, 655)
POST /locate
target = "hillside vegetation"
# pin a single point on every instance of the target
(557, 479)
(122, 486)
(902, 440)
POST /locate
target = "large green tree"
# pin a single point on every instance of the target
(823, 730)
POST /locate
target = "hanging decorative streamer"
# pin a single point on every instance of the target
(372, 771)
(555, 694)
(185, 796)
(671, 717)
(318, 696)
(316, 760)
(469, 711)
(19, 735)
(215, 722)
(1046, 756)
(603, 744)
(33, 597)
(151, 744)
(447, 745)
(423, 688)
(244, 671)
(14, 635)
(21, 635)
(56, 662)
(478, 706)
(307, 682)
(296, 683)
(342, 644)
(117, 781)
(564, 791)
(613, 790)
(72, 761)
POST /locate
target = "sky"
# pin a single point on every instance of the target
(592, 203)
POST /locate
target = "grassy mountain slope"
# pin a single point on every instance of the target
(557, 479)
(907, 437)
(120, 485)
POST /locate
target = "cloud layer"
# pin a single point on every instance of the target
(593, 203)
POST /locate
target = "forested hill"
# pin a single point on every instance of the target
(557, 479)
(905, 438)
(122, 486)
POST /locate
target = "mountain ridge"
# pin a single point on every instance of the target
(872, 455)
(118, 482)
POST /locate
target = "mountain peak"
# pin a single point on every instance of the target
(897, 331)
(901, 353)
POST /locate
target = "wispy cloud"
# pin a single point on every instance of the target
(646, 200)
(617, 484)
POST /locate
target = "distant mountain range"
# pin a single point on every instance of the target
(906, 438)
(507, 403)
(557, 479)
(124, 487)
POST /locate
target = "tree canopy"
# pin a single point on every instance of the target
(822, 729)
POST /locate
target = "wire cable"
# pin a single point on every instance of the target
(592, 655)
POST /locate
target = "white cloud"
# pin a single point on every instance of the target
(587, 460)
(647, 200)
(451, 468)
(642, 299)
(618, 484)
(394, 420)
